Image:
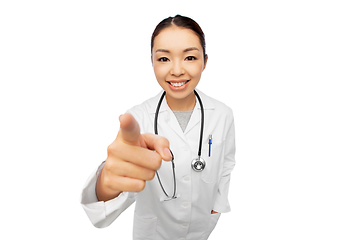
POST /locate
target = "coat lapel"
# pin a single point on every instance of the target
(195, 118)
(167, 119)
(196, 115)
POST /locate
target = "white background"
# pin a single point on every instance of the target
(68, 69)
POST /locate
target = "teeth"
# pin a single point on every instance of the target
(178, 84)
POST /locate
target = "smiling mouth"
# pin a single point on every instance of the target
(178, 84)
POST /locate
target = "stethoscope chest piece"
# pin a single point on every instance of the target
(198, 164)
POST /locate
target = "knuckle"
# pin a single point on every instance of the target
(150, 175)
(108, 181)
(108, 166)
(111, 149)
(114, 148)
(156, 162)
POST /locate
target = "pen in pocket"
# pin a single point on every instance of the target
(209, 145)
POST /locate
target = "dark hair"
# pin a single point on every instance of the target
(184, 22)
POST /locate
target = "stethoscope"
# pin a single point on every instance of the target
(198, 164)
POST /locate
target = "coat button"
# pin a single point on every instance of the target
(186, 178)
(185, 204)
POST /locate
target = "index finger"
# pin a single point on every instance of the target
(130, 129)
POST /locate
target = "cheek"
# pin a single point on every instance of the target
(158, 72)
(195, 70)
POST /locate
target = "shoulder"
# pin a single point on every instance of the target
(218, 106)
(147, 106)
(144, 109)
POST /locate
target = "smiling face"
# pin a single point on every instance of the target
(178, 63)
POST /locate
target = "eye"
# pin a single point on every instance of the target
(190, 58)
(163, 59)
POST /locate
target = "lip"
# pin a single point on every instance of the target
(178, 81)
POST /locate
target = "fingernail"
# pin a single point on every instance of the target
(167, 153)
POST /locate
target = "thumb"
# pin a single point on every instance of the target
(129, 129)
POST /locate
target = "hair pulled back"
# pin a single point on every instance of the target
(184, 22)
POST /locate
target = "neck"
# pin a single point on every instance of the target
(185, 104)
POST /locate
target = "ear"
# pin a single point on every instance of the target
(205, 62)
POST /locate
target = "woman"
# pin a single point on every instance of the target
(184, 198)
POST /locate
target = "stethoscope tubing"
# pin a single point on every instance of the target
(202, 122)
(200, 143)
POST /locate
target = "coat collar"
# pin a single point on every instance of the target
(208, 104)
(167, 115)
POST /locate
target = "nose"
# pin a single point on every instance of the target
(177, 69)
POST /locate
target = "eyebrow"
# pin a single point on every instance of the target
(162, 50)
(186, 50)
(191, 49)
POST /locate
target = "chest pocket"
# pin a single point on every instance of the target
(214, 161)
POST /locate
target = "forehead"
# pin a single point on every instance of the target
(176, 38)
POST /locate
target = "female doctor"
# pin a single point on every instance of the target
(180, 177)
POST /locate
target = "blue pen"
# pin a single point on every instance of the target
(209, 145)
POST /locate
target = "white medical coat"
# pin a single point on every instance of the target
(189, 216)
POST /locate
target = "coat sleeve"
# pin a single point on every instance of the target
(222, 204)
(100, 213)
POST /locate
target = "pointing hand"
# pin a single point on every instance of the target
(131, 160)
